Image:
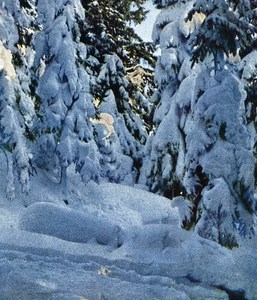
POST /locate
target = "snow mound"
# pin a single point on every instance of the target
(149, 241)
(69, 224)
(125, 205)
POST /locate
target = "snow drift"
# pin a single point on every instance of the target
(71, 252)
(69, 224)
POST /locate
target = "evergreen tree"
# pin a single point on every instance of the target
(226, 30)
(16, 109)
(219, 159)
(201, 146)
(114, 53)
(247, 72)
(53, 48)
(66, 134)
(163, 168)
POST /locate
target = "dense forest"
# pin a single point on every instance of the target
(80, 89)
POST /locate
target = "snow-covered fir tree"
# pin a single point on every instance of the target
(17, 108)
(227, 29)
(65, 132)
(121, 85)
(201, 146)
(247, 72)
(247, 69)
(58, 55)
(163, 167)
(219, 161)
(219, 158)
(113, 82)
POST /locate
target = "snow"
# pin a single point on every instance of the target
(110, 241)
(69, 240)
(219, 142)
(68, 224)
(6, 62)
(144, 30)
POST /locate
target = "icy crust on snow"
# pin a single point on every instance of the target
(163, 256)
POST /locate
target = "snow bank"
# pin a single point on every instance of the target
(69, 225)
(72, 252)
(151, 208)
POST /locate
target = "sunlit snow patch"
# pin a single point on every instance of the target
(6, 62)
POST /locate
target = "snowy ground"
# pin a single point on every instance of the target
(110, 242)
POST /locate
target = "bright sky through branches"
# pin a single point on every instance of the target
(144, 30)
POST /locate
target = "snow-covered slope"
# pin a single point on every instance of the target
(110, 241)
